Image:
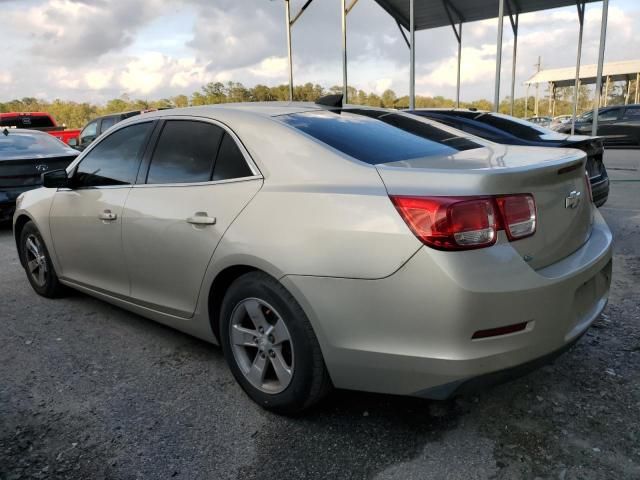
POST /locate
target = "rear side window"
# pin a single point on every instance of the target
(374, 136)
(632, 113)
(107, 123)
(115, 160)
(230, 162)
(185, 152)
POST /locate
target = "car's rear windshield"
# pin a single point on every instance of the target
(375, 136)
(515, 126)
(27, 121)
(21, 144)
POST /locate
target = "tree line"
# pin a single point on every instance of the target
(76, 114)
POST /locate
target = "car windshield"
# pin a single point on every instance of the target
(375, 136)
(21, 144)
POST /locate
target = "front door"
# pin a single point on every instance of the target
(198, 181)
(86, 220)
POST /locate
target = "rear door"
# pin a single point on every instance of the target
(608, 128)
(629, 126)
(86, 220)
(196, 181)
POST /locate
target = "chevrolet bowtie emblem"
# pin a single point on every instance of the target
(573, 199)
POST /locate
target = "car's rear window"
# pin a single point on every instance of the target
(27, 121)
(20, 144)
(375, 136)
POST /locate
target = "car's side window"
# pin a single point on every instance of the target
(608, 115)
(89, 132)
(230, 163)
(115, 160)
(107, 123)
(185, 152)
(632, 113)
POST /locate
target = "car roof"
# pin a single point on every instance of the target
(263, 109)
(22, 131)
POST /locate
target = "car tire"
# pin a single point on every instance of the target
(270, 345)
(37, 263)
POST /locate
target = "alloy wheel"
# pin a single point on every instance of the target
(261, 345)
(36, 260)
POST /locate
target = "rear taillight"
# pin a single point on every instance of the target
(518, 215)
(465, 223)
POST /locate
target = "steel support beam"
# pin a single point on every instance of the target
(496, 96)
(626, 97)
(344, 52)
(287, 15)
(412, 55)
(606, 91)
(603, 36)
(514, 13)
(637, 99)
(526, 101)
(456, 25)
(576, 88)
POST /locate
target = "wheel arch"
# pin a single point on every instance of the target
(218, 289)
(18, 226)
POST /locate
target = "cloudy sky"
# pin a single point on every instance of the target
(93, 50)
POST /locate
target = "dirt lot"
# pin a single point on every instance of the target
(89, 391)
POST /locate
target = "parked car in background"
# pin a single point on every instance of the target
(509, 130)
(560, 119)
(41, 121)
(542, 121)
(359, 248)
(619, 126)
(24, 156)
(97, 126)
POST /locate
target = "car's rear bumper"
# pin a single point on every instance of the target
(411, 333)
(8, 196)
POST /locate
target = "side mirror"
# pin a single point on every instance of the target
(55, 179)
(73, 142)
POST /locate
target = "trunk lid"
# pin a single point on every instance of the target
(554, 176)
(24, 172)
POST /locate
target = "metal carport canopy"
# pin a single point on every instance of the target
(564, 77)
(433, 13)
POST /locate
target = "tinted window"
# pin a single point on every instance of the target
(115, 160)
(33, 121)
(388, 138)
(89, 132)
(230, 162)
(185, 152)
(632, 113)
(25, 144)
(514, 126)
(608, 115)
(107, 123)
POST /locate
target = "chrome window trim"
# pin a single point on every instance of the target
(197, 184)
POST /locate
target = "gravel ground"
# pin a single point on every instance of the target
(89, 391)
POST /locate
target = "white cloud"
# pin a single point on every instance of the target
(271, 67)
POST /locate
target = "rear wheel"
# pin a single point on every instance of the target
(270, 346)
(37, 262)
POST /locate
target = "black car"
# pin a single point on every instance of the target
(508, 130)
(619, 126)
(24, 156)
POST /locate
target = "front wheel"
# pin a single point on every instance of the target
(270, 346)
(37, 263)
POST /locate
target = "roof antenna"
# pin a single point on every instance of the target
(334, 100)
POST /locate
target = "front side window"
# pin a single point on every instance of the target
(185, 153)
(608, 115)
(375, 136)
(89, 132)
(115, 160)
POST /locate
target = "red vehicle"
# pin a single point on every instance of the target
(38, 121)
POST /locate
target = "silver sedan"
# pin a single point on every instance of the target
(328, 247)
